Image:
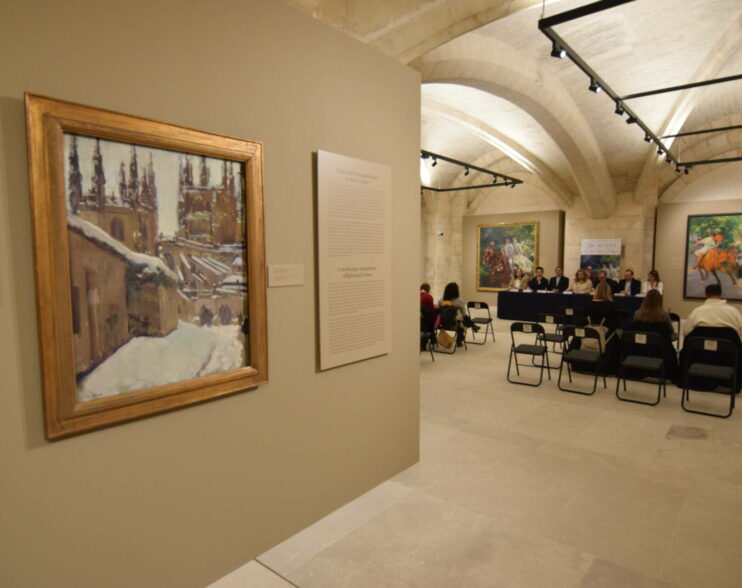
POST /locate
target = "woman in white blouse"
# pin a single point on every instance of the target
(652, 283)
(519, 280)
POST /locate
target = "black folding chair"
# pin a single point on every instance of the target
(584, 357)
(675, 320)
(555, 336)
(710, 360)
(427, 330)
(571, 315)
(451, 324)
(480, 319)
(535, 349)
(641, 357)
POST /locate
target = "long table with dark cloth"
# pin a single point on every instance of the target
(526, 306)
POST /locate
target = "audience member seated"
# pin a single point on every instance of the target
(601, 310)
(519, 280)
(714, 312)
(559, 283)
(426, 299)
(582, 283)
(603, 278)
(715, 319)
(629, 286)
(653, 282)
(539, 282)
(652, 318)
(451, 298)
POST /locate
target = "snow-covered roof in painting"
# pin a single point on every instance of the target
(98, 235)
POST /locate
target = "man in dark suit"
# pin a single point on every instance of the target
(629, 285)
(559, 283)
(603, 277)
(539, 282)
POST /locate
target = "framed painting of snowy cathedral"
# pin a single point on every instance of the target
(150, 264)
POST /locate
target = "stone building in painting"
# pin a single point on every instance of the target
(129, 213)
(117, 294)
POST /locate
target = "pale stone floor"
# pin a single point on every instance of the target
(533, 487)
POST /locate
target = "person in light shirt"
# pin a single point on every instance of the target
(653, 282)
(714, 312)
(582, 283)
(519, 280)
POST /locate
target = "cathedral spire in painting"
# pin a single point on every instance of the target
(75, 177)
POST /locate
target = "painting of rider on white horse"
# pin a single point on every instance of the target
(714, 255)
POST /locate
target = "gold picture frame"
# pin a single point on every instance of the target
(495, 263)
(146, 275)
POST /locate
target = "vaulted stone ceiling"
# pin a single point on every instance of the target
(494, 97)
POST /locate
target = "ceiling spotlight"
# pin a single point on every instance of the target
(595, 86)
(631, 120)
(660, 151)
(424, 156)
(668, 159)
(512, 185)
(466, 173)
(435, 162)
(647, 138)
(557, 51)
(687, 169)
(494, 179)
(619, 109)
(677, 168)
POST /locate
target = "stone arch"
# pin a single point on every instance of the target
(726, 46)
(556, 187)
(494, 67)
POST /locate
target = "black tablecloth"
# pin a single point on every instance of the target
(525, 306)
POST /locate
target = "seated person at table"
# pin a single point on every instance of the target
(581, 283)
(559, 283)
(592, 275)
(519, 280)
(426, 299)
(604, 279)
(652, 318)
(714, 312)
(538, 282)
(629, 286)
(653, 282)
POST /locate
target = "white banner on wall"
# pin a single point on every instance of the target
(354, 238)
(600, 247)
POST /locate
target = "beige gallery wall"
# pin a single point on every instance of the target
(672, 222)
(181, 499)
(550, 246)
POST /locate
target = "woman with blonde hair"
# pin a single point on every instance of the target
(519, 280)
(581, 283)
(653, 318)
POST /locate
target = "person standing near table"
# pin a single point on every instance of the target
(629, 286)
(539, 282)
(559, 283)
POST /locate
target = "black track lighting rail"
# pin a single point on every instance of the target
(682, 87)
(560, 49)
(702, 132)
(496, 176)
